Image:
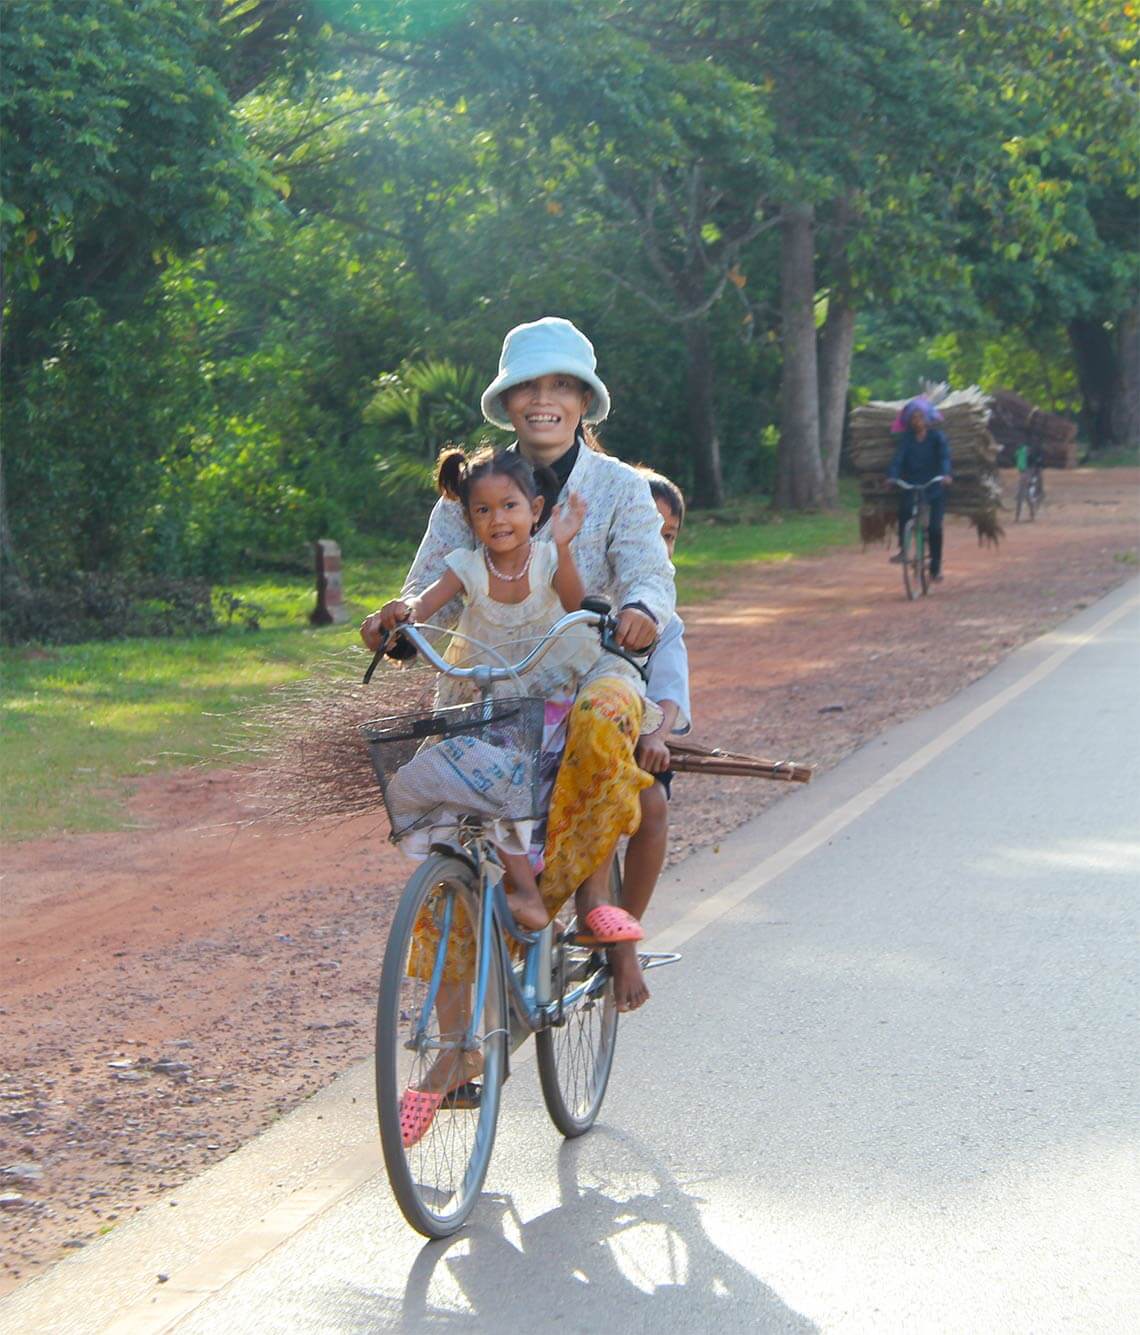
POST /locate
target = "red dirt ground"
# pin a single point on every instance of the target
(169, 991)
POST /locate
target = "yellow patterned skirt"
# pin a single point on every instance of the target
(596, 799)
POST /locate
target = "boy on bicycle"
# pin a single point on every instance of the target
(922, 454)
(668, 688)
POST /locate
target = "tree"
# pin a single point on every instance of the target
(118, 151)
(1056, 245)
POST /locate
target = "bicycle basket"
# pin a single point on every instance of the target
(467, 760)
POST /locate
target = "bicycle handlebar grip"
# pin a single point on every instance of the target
(376, 657)
(599, 605)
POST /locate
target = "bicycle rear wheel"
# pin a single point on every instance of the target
(911, 560)
(576, 1054)
(419, 1030)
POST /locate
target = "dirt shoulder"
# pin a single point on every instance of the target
(170, 990)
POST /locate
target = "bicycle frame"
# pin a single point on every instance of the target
(526, 992)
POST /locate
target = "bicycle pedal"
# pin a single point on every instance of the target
(464, 1099)
(654, 959)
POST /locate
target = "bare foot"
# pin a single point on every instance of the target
(630, 990)
(527, 907)
(450, 1070)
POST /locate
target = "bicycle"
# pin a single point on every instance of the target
(914, 545)
(1030, 492)
(453, 1014)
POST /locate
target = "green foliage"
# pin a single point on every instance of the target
(259, 258)
(1034, 364)
(118, 147)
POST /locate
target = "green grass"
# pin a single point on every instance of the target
(80, 721)
(1125, 457)
(713, 545)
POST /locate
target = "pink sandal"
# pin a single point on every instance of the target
(607, 925)
(418, 1108)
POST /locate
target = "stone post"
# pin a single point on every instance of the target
(330, 608)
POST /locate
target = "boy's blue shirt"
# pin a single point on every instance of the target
(669, 672)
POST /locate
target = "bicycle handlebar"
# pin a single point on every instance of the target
(919, 486)
(594, 612)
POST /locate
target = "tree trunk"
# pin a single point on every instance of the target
(799, 470)
(836, 346)
(9, 561)
(1109, 378)
(708, 484)
(1124, 420)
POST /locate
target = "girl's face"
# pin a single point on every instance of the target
(545, 412)
(918, 423)
(670, 525)
(501, 514)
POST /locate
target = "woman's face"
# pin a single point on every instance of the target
(918, 423)
(501, 513)
(545, 412)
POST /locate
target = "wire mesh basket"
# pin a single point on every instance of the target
(435, 766)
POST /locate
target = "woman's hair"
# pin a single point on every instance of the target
(457, 472)
(664, 489)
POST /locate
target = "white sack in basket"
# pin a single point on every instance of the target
(463, 775)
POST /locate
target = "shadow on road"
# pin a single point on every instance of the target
(625, 1247)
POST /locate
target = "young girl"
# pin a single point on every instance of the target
(513, 589)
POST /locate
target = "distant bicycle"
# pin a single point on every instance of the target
(1030, 494)
(915, 549)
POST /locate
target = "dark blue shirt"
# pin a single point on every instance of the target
(917, 461)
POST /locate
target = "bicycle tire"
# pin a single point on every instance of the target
(909, 564)
(922, 561)
(576, 1056)
(437, 1181)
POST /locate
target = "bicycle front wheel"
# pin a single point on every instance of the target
(911, 560)
(576, 1053)
(923, 559)
(438, 1101)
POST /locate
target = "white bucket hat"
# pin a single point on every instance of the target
(545, 347)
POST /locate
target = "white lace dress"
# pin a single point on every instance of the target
(467, 776)
(491, 633)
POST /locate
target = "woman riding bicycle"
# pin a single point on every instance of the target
(547, 390)
(922, 454)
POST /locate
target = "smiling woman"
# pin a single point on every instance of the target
(547, 391)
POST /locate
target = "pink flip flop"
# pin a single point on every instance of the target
(418, 1108)
(607, 925)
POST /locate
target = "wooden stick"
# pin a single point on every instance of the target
(693, 758)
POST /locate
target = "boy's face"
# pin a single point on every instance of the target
(670, 525)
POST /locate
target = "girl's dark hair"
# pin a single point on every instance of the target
(664, 489)
(457, 472)
(589, 437)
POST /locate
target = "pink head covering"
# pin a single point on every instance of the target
(921, 404)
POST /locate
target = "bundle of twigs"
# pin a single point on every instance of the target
(310, 759)
(976, 493)
(693, 758)
(1015, 421)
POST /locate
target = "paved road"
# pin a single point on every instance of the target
(892, 1087)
